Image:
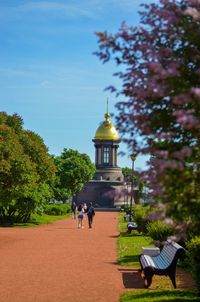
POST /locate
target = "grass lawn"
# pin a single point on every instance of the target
(129, 245)
(129, 248)
(40, 219)
(159, 296)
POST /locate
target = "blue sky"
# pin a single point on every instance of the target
(48, 74)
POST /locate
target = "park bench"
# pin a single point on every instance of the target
(131, 226)
(162, 264)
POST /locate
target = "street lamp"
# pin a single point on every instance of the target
(125, 193)
(133, 158)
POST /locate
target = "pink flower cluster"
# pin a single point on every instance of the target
(186, 120)
(159, 110)
(183, 153)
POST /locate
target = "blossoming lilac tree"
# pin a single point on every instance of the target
(159, 100)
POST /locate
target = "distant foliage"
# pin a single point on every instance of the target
(193, 229)
(57, 209)
(26, 168)
(159, 231)
(193, 253)
(141, 217)
(130, 175)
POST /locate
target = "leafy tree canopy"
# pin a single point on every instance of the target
(25, 169)
(74, 169)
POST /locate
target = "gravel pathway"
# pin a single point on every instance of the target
(61, 263)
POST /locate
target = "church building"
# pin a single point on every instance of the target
(108, 181)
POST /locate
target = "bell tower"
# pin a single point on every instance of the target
(104, 189)
(106, 142)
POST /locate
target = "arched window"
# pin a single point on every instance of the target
(106, 155)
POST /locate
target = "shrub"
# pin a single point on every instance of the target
(193, 229)
(193, 253)
(125, 208)
(57, 209)
(158, 230)
(140, 217)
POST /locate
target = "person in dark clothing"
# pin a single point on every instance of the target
(73, 208)
(90, 214)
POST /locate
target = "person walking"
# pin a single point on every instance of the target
(73, 208)
(90, 214)
(85, 208)
(80, 216)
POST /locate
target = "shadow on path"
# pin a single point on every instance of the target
(131, 278)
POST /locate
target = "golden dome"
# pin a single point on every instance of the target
(107, 131)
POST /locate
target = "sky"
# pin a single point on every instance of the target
(49, 74)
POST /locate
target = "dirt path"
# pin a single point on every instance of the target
(60, 263)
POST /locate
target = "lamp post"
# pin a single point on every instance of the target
(133, 158)
(125, 194)
(127, 188)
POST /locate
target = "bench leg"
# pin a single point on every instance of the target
(148, 275)
(147, 282)
(140, 270)
(173, 279)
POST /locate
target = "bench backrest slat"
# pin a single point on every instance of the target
(168, 252)
(167, 255)
(160, 263)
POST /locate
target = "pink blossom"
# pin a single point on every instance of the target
(161, 89)
(161, 206)
(161, 165)
(193, 12)
(165, 136)
(155, 67)
(183, 98)
(161, 153)
(182, 154)
(168, 221)
(188, 121)
(171, 71)
(196, 92)
(156, 215)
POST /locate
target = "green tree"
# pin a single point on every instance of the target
(25, 169)
(129, 174)
(138, 180)
(74, 169)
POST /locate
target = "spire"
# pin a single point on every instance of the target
(107, 105)
(107, 115)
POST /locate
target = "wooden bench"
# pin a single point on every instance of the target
(162, 264)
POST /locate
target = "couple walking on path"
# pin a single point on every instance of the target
(83, 210)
